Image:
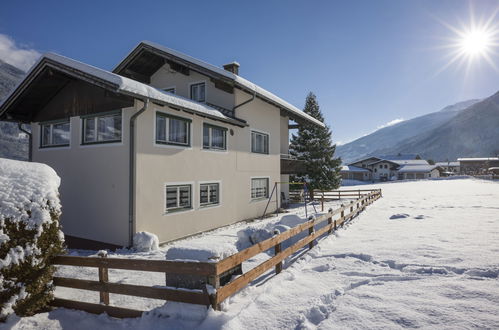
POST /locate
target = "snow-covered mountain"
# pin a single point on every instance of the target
(389, 140)
(13, 143)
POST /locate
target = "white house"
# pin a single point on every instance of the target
(165, 143)
(390, 167)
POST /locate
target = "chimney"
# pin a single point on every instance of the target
(232, 67)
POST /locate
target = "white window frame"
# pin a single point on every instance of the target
(167, 144)
(205, 90)
(96, 120)
(177, 209)
(210, 147)
(251, 142)
(251, 188)
(209, 204)
(51, 124)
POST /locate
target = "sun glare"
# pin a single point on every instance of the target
(473, 43)
(476, 42)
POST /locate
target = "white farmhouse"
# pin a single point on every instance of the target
(165, 143)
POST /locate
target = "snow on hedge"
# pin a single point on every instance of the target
(145, 242)
(29, 234)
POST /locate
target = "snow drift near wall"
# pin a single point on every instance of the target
(30, 235)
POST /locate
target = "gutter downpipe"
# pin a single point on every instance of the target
(131, 177)
(245, 102)
(30, 143)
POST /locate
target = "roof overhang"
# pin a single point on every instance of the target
(147, 57)
(53, 72)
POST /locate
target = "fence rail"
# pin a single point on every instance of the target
(211, 271)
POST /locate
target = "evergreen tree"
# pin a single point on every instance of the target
(313, 145)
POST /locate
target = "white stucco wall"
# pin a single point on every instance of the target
(94, 183)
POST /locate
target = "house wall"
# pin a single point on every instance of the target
(379, 170)
(158, 165)
(94, 183)
(167, 78)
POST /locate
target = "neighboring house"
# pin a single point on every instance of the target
(449, 168)
(479, 165)
(410, 172)
(385, 168)
(349, 172)
(166, 143)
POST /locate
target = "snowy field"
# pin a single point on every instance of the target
(425, 255)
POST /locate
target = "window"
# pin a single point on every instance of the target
(259, 142)
(198, 92)
(209, 194)
(173, 130)
(102, 128)
(170, 90)
(380, 166)
(259, 188)
(214, 137)
(178, 197)
(55, 134)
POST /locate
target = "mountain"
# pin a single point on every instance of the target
(473, 132)
(13, 143)
(385, 139)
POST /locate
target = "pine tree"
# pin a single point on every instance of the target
(313, 145)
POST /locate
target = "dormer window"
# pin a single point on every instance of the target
(198, 92)
(170, 90)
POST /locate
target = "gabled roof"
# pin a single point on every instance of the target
(366, 158)
(417, 168)
(411, 162)
(350, 168)
(115, 83)
(400, 157)
(447, 163)
(151, 64)
(385, 161)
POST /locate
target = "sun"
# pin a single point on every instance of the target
(476, 42)
(473, 43)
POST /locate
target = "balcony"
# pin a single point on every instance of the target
(291, 165)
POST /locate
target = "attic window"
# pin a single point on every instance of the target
(198, 92)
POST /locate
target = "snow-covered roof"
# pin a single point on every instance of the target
(238, 80)
(417, 168)
(447, 163)
(365, 158)
(399, 157)
(411, 162)
(127, 86)
(350, 168)
(482, 159)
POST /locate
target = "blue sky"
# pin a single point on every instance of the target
(368, 62)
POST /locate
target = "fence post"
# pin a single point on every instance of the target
(322, 201)
(330, 221)
(311, 231)
(359, 193)
(214, 281)
(277, 250)
(342, 216)
(339, 194)
(103, 278)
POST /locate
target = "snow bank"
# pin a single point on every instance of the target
(145, 242)
(212, 252)
(29, 234)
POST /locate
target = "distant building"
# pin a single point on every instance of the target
(390, 167)
(449, 168)
(472, 166)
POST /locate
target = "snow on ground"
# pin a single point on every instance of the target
(425, 255)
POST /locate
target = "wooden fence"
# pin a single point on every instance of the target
(211, 271)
